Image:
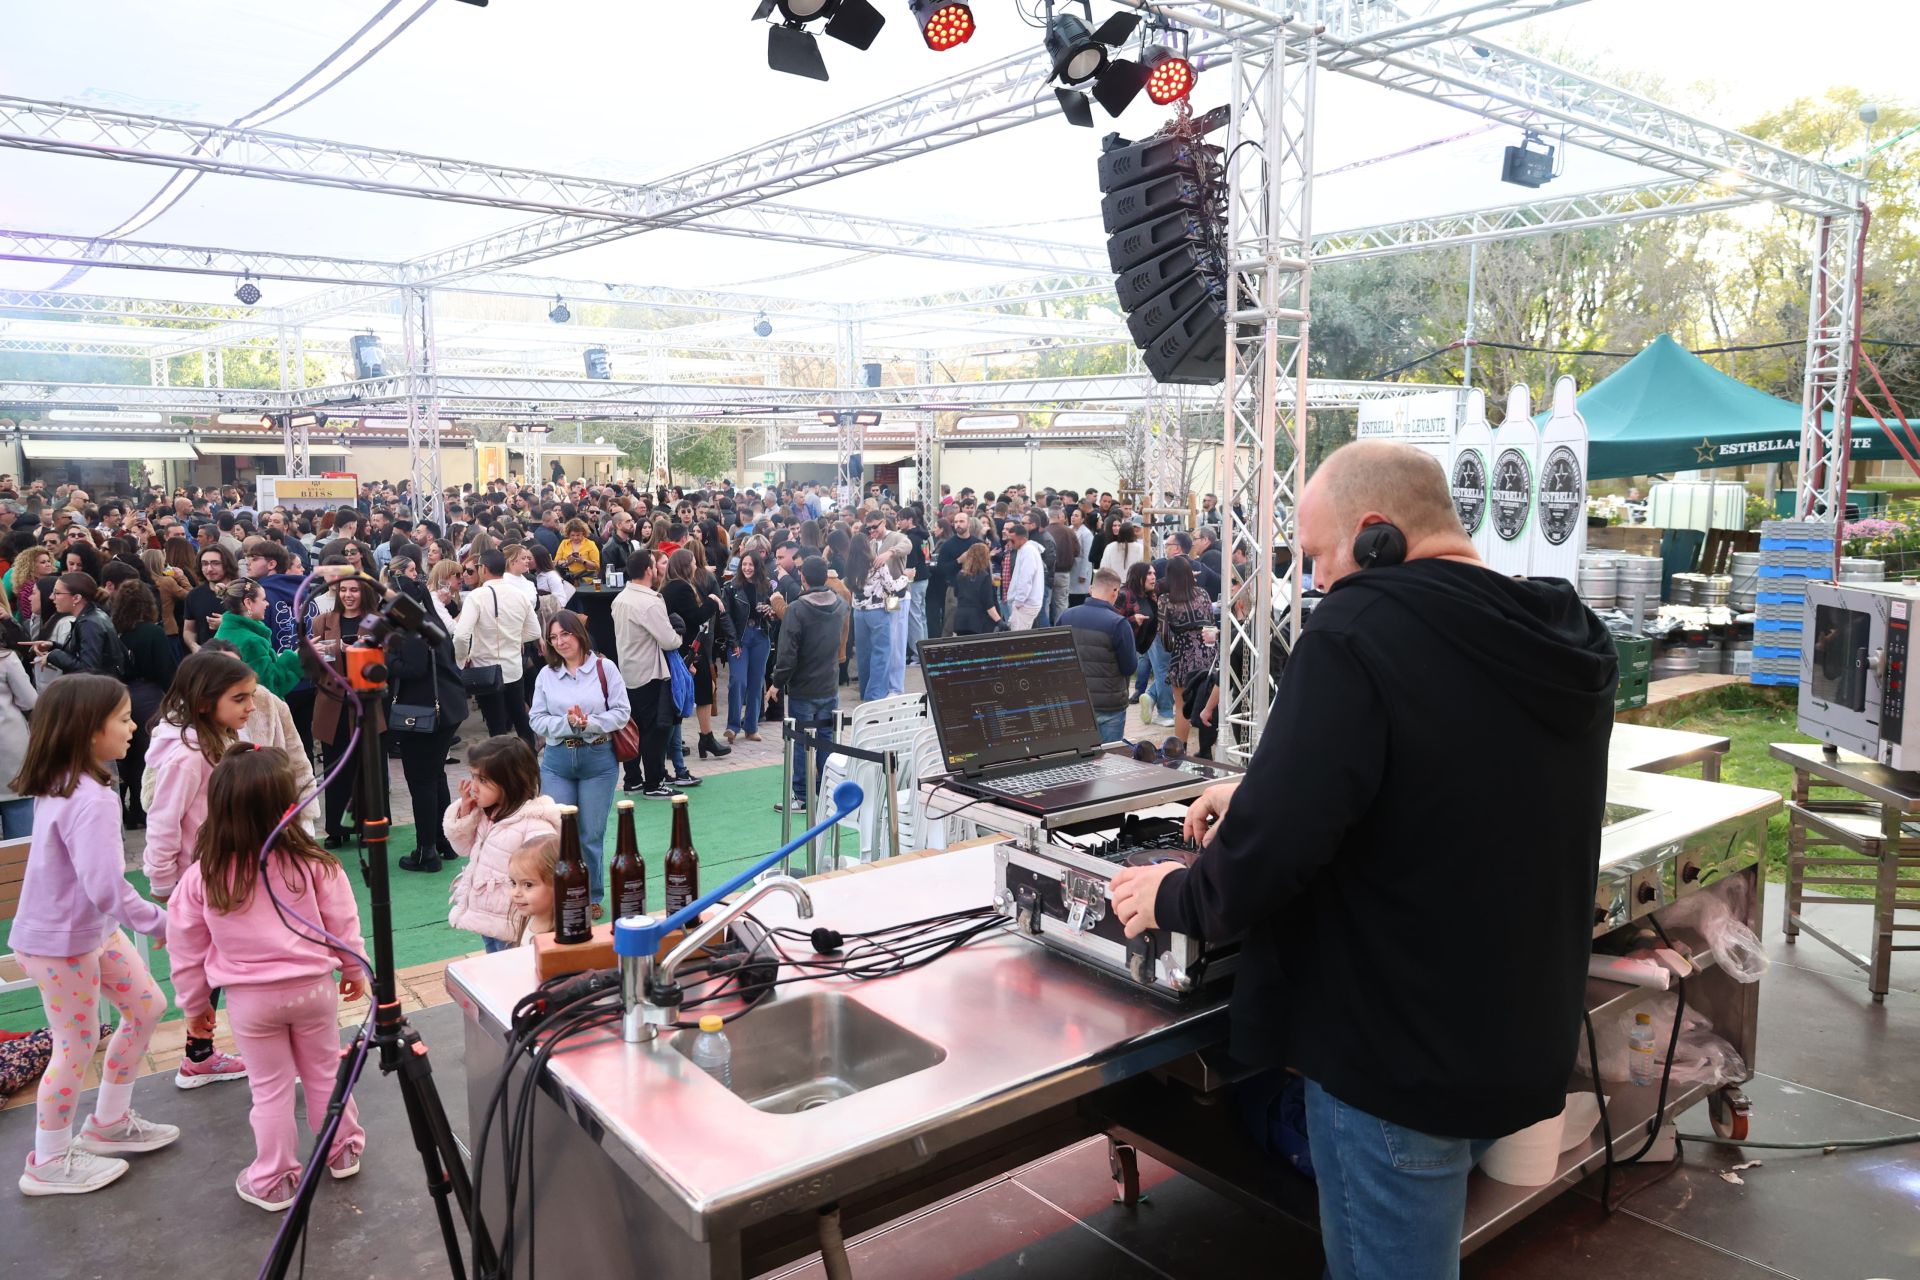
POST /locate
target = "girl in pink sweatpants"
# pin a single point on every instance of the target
(282, 1002)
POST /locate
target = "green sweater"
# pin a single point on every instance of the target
(278, 671)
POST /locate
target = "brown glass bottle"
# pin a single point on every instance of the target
(683, 864)
(572, 887)
(627, 872)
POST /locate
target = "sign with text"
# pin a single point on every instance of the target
(308, 493)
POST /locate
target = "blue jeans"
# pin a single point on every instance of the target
(496, 944)
(584, 777)
(916, 617)
(747, 682)
(16, 818)
(1393, 1200)
(896, 651)
(872, 633)
(1111, 724)
(803, 710)
(677, 753)
(1159, 687)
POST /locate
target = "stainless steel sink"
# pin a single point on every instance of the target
(800, 1052)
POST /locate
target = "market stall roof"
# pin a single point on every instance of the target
(1668, 410)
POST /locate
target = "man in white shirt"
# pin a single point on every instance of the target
(643, 635)
(495, 621)
(1027, 590)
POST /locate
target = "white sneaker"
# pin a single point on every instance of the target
(130, 1136)
(75, 1173)
(1146, 710)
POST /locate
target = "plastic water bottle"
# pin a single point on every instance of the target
(712, 1053)
(1642, 1056)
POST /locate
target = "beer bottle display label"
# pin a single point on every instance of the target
(1563, 495)
(631, 899)
(680, 891)
(1512, 494)
(1470, 489)
(575, 918)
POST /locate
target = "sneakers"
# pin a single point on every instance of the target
(343, 1163)
(660, 793)
(73, 1174)
(129, 1136)
(1146, 709)
(685, 780)
(221, 1066)
(795, 805)
(275, 1199)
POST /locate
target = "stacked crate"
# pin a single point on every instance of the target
(1636, 669)
(1792, 554)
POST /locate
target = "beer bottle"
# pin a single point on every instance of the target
(628, 873)
(683, 864)
(572, 888)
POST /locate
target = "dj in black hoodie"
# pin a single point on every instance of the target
(1412, 855)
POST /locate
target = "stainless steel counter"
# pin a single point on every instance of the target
(1023, 1032)
(1647, 749)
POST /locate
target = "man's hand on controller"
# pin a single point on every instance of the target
(1133, 891)
(1205, 813)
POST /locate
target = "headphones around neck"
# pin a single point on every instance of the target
(1379, 545)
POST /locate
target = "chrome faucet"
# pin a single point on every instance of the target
(649, 982)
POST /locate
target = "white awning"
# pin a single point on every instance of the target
(263, 449)
(565, 447)
(829, 457)
(107, 450)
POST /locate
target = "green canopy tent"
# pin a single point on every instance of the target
(1667, 410)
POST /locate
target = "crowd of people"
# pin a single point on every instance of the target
(153, 678)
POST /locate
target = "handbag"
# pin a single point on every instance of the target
(484, 679)
(626, 739)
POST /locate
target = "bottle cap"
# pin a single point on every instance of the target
(624, 804)
(712, 1022)
(566, 808)
(679, 799)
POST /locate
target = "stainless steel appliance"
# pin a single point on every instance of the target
(1853, 669)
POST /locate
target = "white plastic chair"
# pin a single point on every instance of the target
(924, 829)
(885, 724)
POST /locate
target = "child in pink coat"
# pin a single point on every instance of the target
(499, 811)
(201, 716)
(225, 931)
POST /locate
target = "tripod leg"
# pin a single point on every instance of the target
(433, 1138)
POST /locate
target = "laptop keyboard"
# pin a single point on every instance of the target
(1067, 774)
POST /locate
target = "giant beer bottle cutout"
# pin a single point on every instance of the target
(1560, 513)
(1516, 461)
(1470, 472)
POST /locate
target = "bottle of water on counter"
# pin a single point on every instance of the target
(711, 1051)
(1643, 1066)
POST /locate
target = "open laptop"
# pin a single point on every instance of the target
(1015, 722)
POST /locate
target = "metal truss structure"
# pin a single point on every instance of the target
(688, 355)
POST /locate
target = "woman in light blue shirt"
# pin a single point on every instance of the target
(579, 703)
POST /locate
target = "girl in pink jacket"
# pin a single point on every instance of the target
(500, 809)
(201, 716)
(68, 937)
(224, 930)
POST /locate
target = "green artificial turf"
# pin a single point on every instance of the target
(731, 815)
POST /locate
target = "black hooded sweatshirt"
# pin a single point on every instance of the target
(1412, 856)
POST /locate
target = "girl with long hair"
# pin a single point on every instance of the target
(1186, 610)
(227, 928)
(499, 811)
(67, 936)
(579, 702)
(748, 601)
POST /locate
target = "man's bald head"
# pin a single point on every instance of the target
(1370, 481)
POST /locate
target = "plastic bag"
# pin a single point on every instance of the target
(1714, 916)
(1700, 1057)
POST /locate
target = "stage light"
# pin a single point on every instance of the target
(793, 49)
(763, 326)
(1524, 166)
(943, 23)
(248, 292)
(1077, 56)
(866, 418)
(559, 314)
(1169, 75)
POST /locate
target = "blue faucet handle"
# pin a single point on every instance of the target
(638, 936)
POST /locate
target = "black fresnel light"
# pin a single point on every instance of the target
(1081, 55)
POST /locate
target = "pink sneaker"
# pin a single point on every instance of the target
(274, 1199)
(343, 1163)
(221, 1066)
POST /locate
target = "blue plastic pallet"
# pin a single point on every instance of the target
(1796, 544)
(1761, 678)
(1772, 624)
(1774, 651)
(1781, 597)
(1820, 573)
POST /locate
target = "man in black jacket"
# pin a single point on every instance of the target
(1373, 797)
(806, 666)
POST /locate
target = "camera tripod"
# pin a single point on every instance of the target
(401, 1050)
